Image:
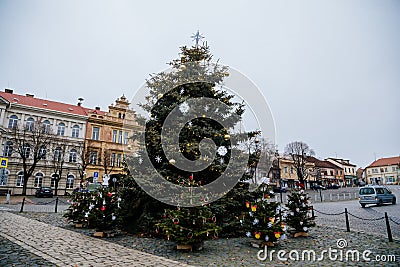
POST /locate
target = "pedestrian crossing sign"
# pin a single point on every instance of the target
(3, 162)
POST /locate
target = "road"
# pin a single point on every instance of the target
(367, 219)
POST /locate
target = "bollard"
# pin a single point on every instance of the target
(347, 220)
(338, 197)
(315, 198)
(22, 205)
(276, 198)
(320, 194)
(344, 196)
(389, 231)
(55, 210)
(330, 196)
(8, 197)
(312, 211)
(355, 195)
(323, 197)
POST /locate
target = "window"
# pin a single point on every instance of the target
(95, 133)
(46, 126)
(75, 131)
(114, 136)
(29, 124)
(61, 129)
(54, 177)
(72, 155)
(291, 170)
(120, 137)
(112, 159)
(38, 180)
(126, 138)
(3, 176)
(8, 149)
(26, 150)
(393, 169)
(13, 121)
(20, 179)
(42, 152)
(285, 169)
(93, 157)
(70, 181)
(58, 154)
(119, 160)
(386, 169)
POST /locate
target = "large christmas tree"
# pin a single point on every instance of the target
(205, 115)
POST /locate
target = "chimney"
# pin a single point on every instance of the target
(97, 108)
(29, 95)
(80, 101)
(10, 91)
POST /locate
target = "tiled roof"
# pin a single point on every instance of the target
(47, 104)
(322, 163)
(385, 162)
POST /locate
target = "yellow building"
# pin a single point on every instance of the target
(108, 135)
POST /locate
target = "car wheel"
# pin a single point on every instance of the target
(363, 205)
(394, 201)
(379, 202)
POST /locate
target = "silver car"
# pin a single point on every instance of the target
(375, 195)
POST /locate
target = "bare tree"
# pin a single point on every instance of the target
(107, 161)
(59, 150)
(84, 154)
(299, 152)
(30, 143)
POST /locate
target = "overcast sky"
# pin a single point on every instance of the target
(330, 70)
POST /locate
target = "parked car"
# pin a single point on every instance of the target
(375, 195)
(278, 189)
(333, 186)
(361, 183)
(44, 192)
(318, 187)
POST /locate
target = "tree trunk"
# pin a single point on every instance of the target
(24, 186)
(56, 181)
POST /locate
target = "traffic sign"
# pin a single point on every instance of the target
(96, 174)
(3, 162)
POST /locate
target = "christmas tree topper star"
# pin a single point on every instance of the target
(197, 37)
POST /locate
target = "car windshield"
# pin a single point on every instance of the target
(366, 191)
(46, 188)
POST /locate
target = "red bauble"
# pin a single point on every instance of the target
(103, 208)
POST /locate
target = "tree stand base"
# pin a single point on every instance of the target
(99, 234)
(78, 225)
(261, 244)
(299, 234)
(191, 247)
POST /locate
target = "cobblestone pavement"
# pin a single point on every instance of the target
(223, 252)
(66, 248)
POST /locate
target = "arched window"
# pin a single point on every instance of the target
(38, 180)
(3, 176)
(54, 177)
(75, 131)
(61, 129)
(27, 150)
(20, 179)
(58, 154)
(29, 124)
(70, 181)
(8, 149)
(12, 122)
(46, 126)
(72, 155)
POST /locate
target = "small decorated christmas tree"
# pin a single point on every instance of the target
(104, 210)
(189, 226)
(80, 202)
(299, 216)
(263, 222)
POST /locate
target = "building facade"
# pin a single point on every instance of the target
(348, 171)
(61, 121)
(325, 172)
(108, 137)
(383, 171)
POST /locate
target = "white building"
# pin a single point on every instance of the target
(383, 171)
(65, 120)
